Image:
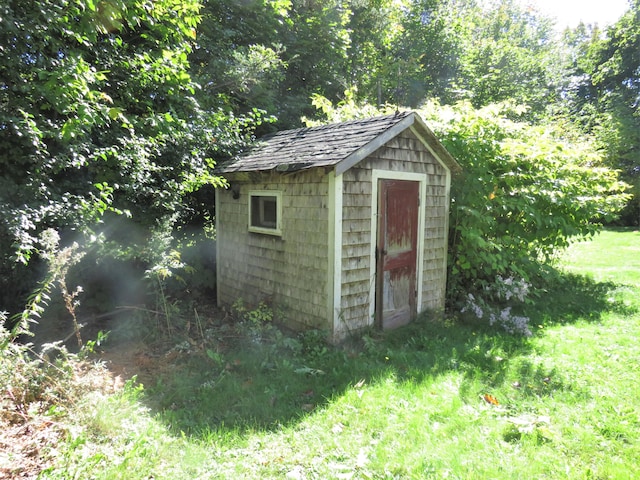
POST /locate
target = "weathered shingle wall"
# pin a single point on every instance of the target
(356, 251)
(291, 270)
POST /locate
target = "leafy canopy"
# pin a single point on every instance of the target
(98, 114)
(604, 95)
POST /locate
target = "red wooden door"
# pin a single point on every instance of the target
(398, 204)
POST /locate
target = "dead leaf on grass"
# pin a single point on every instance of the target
(490, 399)
(309, 371)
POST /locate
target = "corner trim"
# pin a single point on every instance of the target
(334, 280)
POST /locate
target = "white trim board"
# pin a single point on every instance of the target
(334, 273)
(218, 268)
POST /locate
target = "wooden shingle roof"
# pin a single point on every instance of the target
(339, 145)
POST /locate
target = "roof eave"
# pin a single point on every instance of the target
(437, 149)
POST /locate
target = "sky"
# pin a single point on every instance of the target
(569, 13)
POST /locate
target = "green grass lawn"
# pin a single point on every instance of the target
(433, 400)
(613, 255)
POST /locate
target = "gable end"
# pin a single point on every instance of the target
(419, 128)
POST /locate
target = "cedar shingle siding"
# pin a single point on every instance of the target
(290, 270)
(326, 177)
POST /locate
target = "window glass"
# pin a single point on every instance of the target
(264, 212)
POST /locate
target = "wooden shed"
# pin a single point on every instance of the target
(342, 226)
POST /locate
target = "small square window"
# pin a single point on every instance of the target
(265, 212)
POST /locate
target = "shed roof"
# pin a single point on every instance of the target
(339, 145)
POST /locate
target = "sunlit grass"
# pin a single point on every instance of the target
(433, 400)
(612, 255)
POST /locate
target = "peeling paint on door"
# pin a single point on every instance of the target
(396, 252)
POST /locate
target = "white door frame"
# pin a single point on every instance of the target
(421, 178)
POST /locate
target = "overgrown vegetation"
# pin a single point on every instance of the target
(102, 136)
(114, 114)
(41, 389)
(432, 400)
(526, 192)
(112, 117)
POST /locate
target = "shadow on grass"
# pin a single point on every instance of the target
(569, 297)
(229, 382)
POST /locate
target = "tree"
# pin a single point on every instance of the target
(273, 54)
(427, 53)
(484, 52)
(278, 54)
(606, 96)
(238, 55)
(375, 27)
(509, 55)
(97, 115)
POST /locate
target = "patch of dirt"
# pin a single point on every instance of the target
(26, 449)
(28, 440)
(29, 428)
(137, 360)
(148, 362)
(30, 434)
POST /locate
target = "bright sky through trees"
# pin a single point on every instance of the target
(570, 13)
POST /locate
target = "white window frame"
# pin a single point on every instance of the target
(277, 230)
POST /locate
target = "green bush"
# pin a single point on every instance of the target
(525, 193)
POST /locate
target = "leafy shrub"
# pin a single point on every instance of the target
(256, 322)
(314, 343)
(525, 193)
